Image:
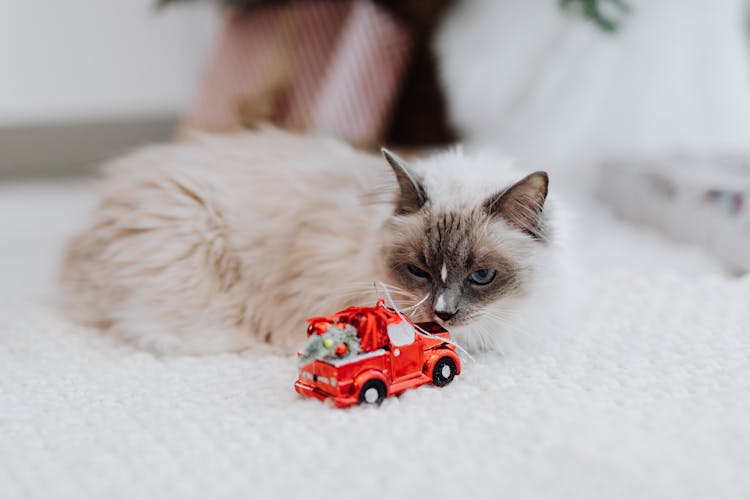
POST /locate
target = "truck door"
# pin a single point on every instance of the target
(406, 354)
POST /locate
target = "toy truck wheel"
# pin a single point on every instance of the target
(444, 371)
(373, 392)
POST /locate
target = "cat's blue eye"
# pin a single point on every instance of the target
(482, 276)
(421, 273)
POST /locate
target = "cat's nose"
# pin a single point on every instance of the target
(445, 315)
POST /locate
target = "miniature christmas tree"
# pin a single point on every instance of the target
(338, 342)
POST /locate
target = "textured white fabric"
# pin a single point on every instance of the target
(646, 396)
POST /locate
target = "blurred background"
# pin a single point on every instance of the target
(641, 108)
(83, 80)
(638, 109)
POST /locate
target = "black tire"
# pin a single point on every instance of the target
(444, 371)
(366, 394)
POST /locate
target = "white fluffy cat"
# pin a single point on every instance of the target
(230, 241)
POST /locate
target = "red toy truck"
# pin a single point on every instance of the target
(363, 354)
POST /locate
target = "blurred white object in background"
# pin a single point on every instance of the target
(559, 93)
(703, 200)
(99, 59)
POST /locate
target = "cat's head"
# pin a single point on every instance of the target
(466, 231)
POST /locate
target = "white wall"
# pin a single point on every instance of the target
(71, 60)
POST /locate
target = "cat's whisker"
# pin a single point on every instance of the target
(507, 320)
(499, 321)
(498, 315)
(481, 336)
(392, 288)
(355, 289)
(362, 299)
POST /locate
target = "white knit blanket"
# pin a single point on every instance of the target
(648, 396)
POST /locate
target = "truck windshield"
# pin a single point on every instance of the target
(401, 333)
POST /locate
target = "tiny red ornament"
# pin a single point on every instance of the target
(341, 349)
(392, 355)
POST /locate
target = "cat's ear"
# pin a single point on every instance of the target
(411, 193)
(522, 203)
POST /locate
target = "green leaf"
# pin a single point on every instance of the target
(608, 15)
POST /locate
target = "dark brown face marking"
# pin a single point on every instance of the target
(449, 247)
(411, 196)
(435, 252)
(522, 203)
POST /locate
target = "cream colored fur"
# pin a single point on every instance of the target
(225, 242)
